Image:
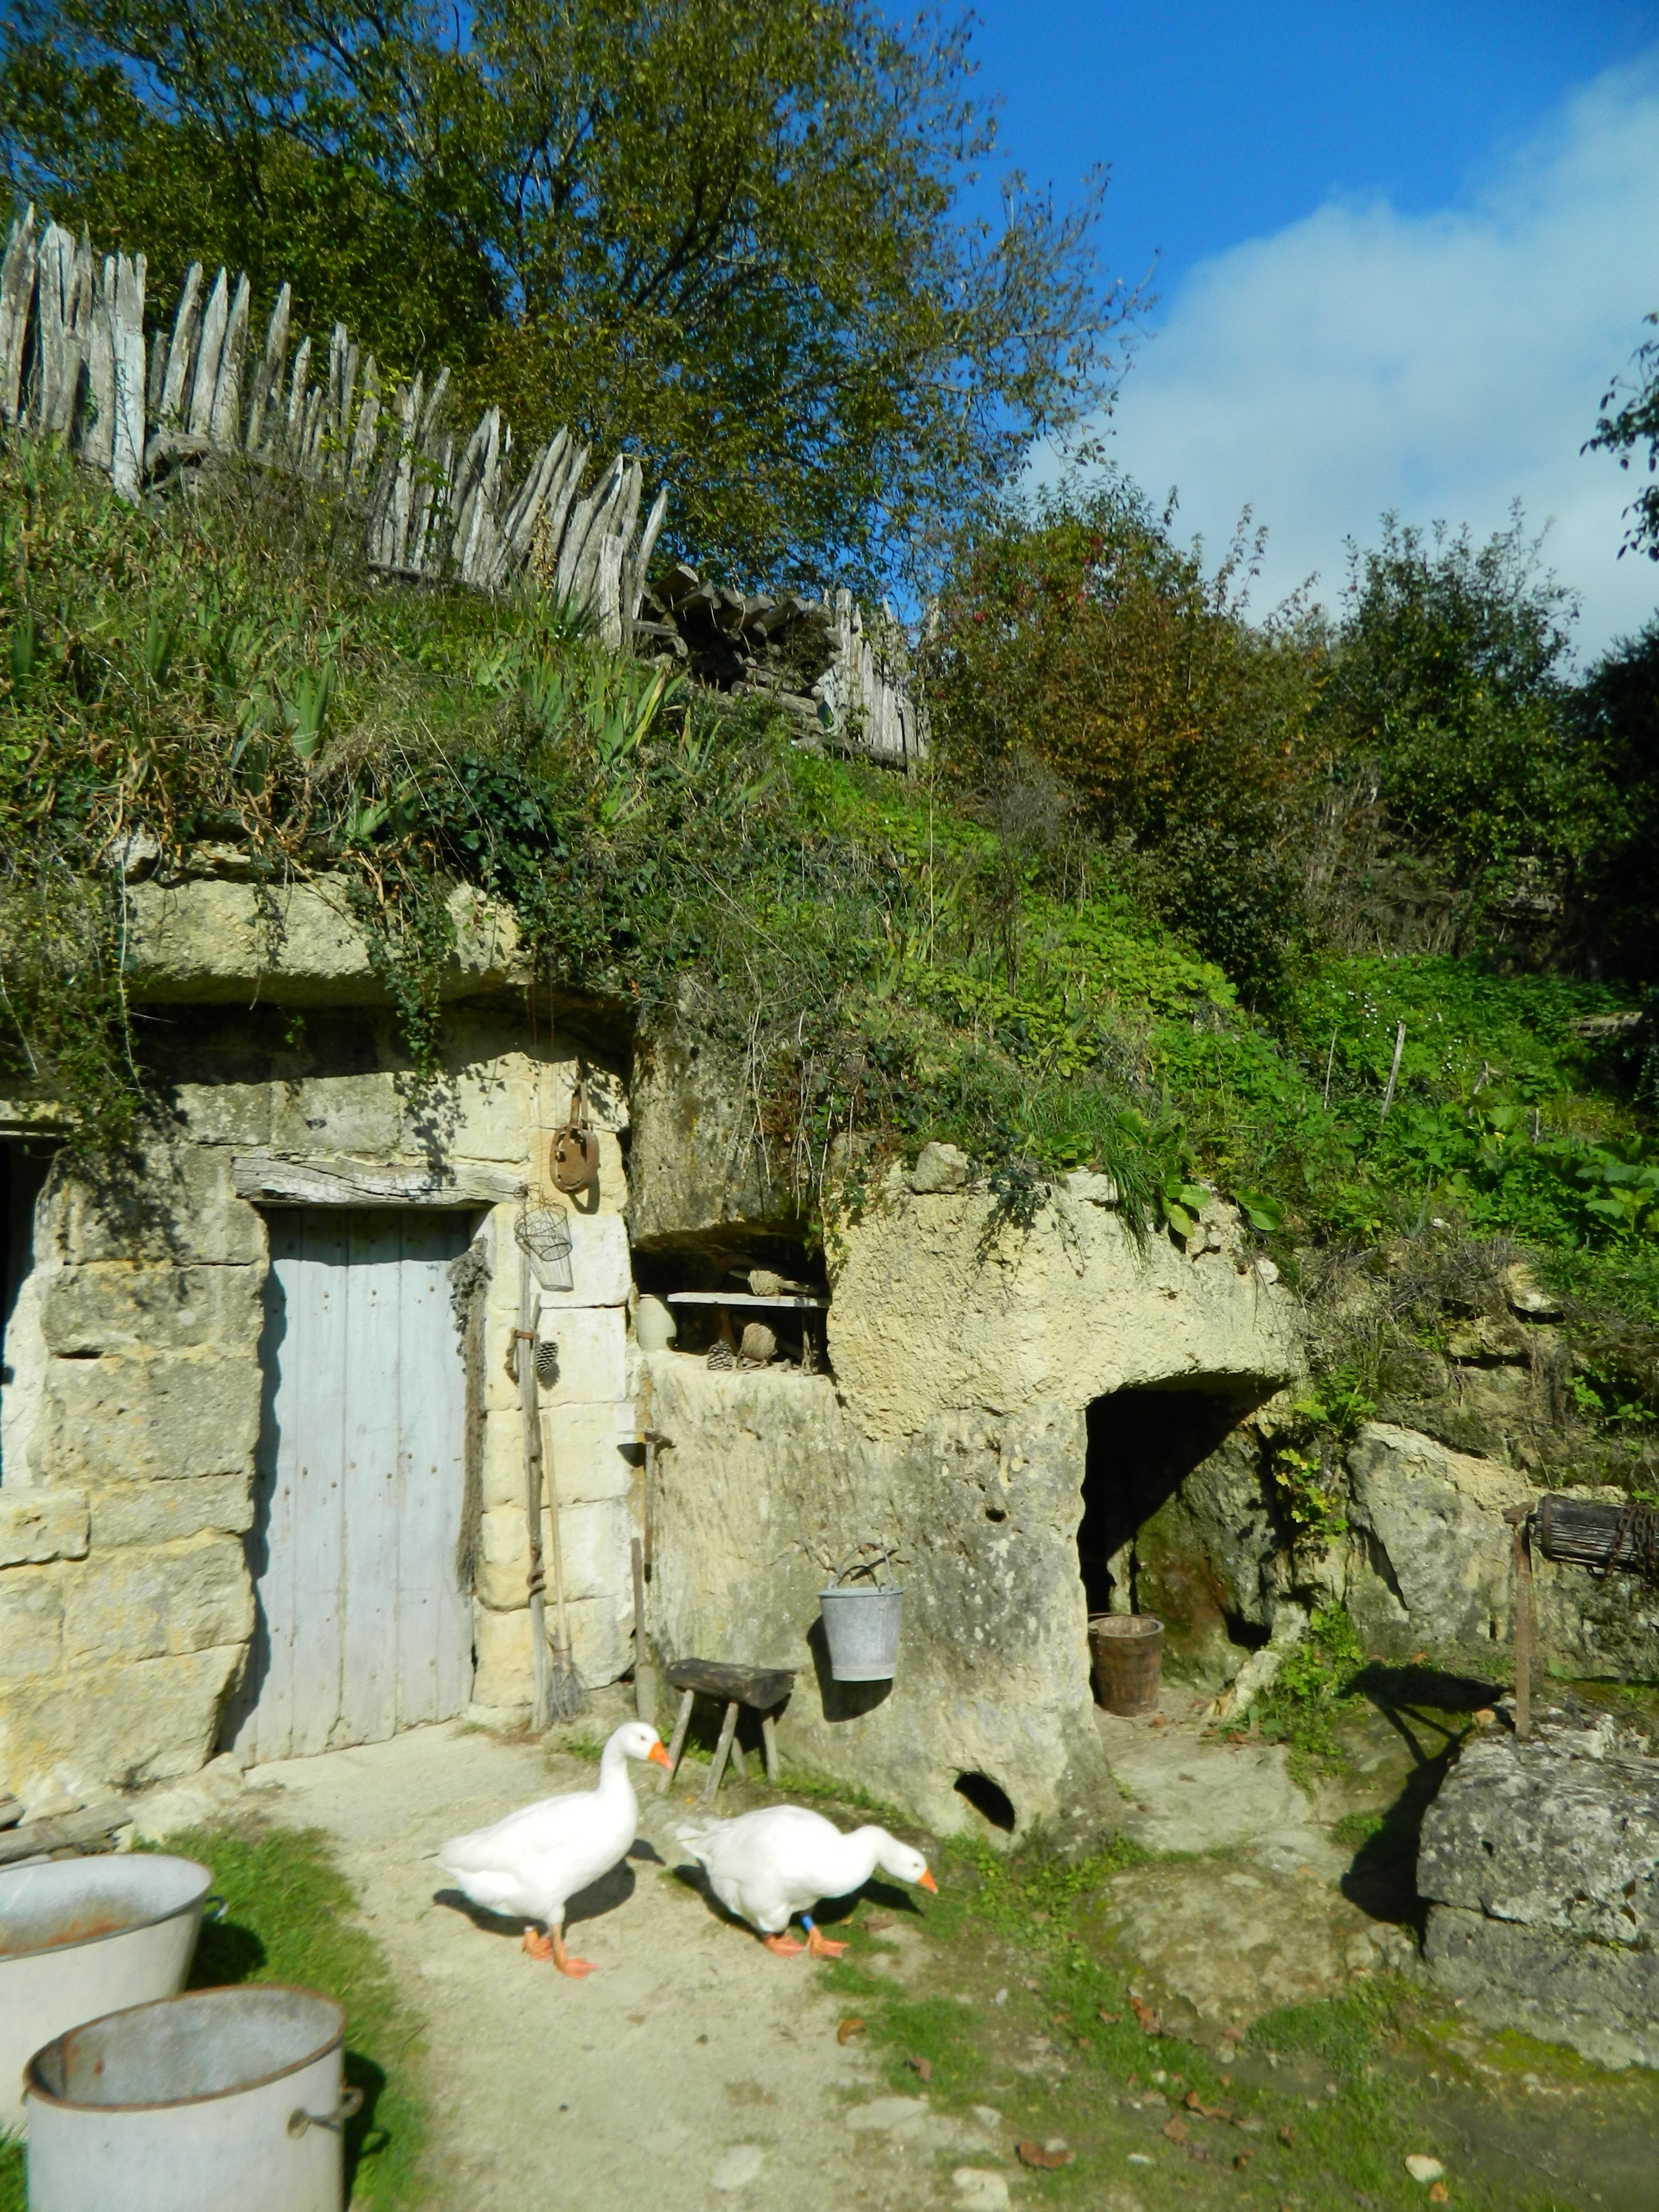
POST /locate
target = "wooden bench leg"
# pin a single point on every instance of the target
(677, 1743)
(728, 1729)
(738, 1768)
(768, 1737)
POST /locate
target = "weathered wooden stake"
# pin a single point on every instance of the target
(645, 1675)
(728, 1730)
(524, 1349)
(676, 1743)
(1394, 1071)
(1518, 1517)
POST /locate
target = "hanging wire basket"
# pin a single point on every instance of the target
(544, 1231)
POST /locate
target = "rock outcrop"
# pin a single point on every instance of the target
(765, 1477)
(937, 1305)
(1432, 1567)
(1541, 1860)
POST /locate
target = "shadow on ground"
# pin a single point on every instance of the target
(1429, 1711)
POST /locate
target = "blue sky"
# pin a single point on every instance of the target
(1401, 250)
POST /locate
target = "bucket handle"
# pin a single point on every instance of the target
(852, 1564)
(215, 1907)
(350, 2103)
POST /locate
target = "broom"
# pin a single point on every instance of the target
(566, 1695)
(556, 1693)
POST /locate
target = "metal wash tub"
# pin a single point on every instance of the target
(222, 2098)
(81, 1937)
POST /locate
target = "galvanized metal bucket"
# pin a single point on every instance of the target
(224, 2097)
(82, 1937)
(861, 1628)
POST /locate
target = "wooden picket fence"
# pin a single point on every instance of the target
(75, 364)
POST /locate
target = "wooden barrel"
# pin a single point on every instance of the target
(1587, 1532)
(1126, 1651)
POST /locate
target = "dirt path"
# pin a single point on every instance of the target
(695, 2069)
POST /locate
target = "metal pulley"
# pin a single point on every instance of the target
(573, 1159)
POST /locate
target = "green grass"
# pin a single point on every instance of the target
(289, 1918)
(1347, 2078)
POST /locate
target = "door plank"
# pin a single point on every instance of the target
(316, 1390)
(435, 1624)
(374, 1370)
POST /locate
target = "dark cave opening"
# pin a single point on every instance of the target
(1142, 1446)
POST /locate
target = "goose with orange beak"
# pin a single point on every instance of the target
(530, 1865)
(768, 1867)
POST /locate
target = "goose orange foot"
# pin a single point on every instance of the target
(552, 1947)
(821, 1946)
(784, 1946)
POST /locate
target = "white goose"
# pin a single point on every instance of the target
(767, 1866)
(537, 1859)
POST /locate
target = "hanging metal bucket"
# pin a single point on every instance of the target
(222, 2098)
(861, 1628)
(82, 1937)
(1127, 1649)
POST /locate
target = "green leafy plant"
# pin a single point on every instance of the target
(1315, 1685)
(310, 693)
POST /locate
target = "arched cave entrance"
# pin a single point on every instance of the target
(1141, 1546)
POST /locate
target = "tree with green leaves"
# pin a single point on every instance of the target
(1616, 720)
(727, 233)
(1634, 423)
(1078, 633)
(1445, 716)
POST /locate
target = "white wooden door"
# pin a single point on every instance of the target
(361, 1627)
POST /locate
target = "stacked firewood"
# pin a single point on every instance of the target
(816, 658)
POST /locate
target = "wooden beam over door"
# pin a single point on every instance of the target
(268, 1179)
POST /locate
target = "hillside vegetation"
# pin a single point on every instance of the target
(899, 959)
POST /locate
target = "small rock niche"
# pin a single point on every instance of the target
(743, 1267)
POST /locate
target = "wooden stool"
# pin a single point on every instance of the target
(763, 1688)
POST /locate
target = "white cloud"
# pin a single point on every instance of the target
(1440, 364)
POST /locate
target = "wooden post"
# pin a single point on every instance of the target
(524, 1354)
(1518, 1517)
(645, 1677)
(571, 1699)
(649, 1439)
(1394, 1071)
(728, 1729)
(676, 1743)
(769, 1739)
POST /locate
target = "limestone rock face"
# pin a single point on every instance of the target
(940, 1167)
(695, 1165)
(1542, 1860)
(935, 1307)
(39, 1525)
(207, 940)
(1440, 1557)
(766, 1476)
(1432, 1566)
(1604, 2003)
(1204, 1559)
(1541, 1836)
